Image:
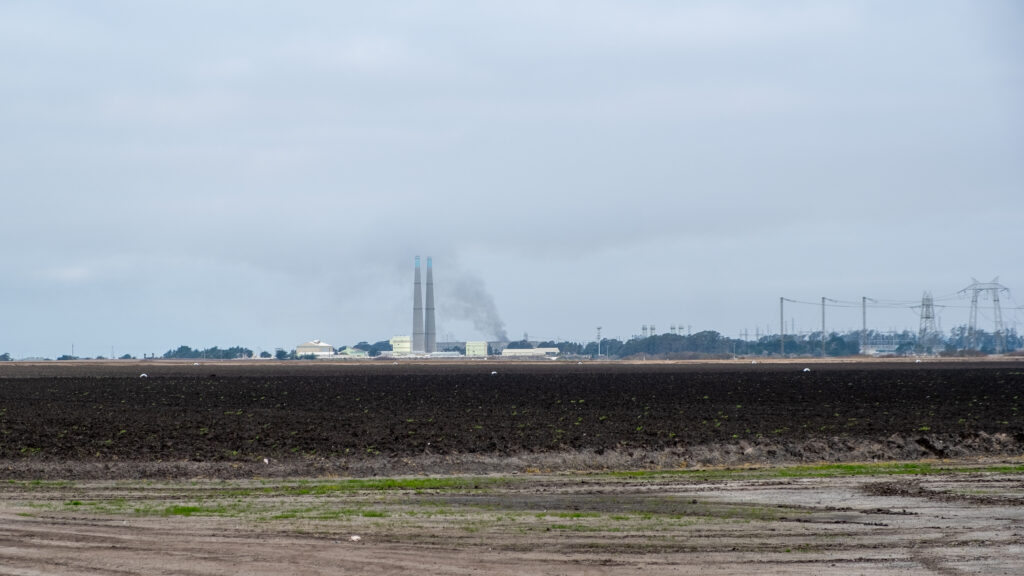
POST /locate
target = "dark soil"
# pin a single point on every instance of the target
(244, 413)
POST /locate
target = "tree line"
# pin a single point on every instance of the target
(706, 344)
(709, 344)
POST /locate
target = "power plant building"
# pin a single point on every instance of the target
(476, 349)
(401, 346)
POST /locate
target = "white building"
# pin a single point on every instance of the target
(476, 349)
(528, 352)
(315, 348)
(401, 345)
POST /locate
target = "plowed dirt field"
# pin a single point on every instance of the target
(512, 468)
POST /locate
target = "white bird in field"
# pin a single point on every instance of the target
(355, 538)
(265, 461)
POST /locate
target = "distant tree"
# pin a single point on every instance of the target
(1013, 340)
(127, 357)
(904, 348)
(6, 357)
(235, 352)
(182, 352)
(837, 345)
(520, 345)
(265, 354)
(67, 357)
(609, 347)
(565, 347)
(376, 348)
(280, 354)
(214, 353)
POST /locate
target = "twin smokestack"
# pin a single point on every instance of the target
(424, 338)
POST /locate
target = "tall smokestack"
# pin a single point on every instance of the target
(417, 312)
(431, 335)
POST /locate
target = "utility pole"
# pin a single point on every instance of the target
(782, 328)
(598, 341)
(863, 323)
(823, 299)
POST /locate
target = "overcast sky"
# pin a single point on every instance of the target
(263, 173)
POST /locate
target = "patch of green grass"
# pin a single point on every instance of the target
(335, 514)
(192, 510)
(305, 488)
(576, 515)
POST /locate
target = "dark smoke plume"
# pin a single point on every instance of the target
(468, 299)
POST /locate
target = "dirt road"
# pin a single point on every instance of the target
(920, 519)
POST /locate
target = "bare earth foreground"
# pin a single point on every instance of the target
(835, 519)
(708, 493)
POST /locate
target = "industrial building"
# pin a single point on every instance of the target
(476, 349)
(527, 352)
(315, 348)
(401, 346)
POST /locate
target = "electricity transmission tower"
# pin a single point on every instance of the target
(928, 333)
(992, 289)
